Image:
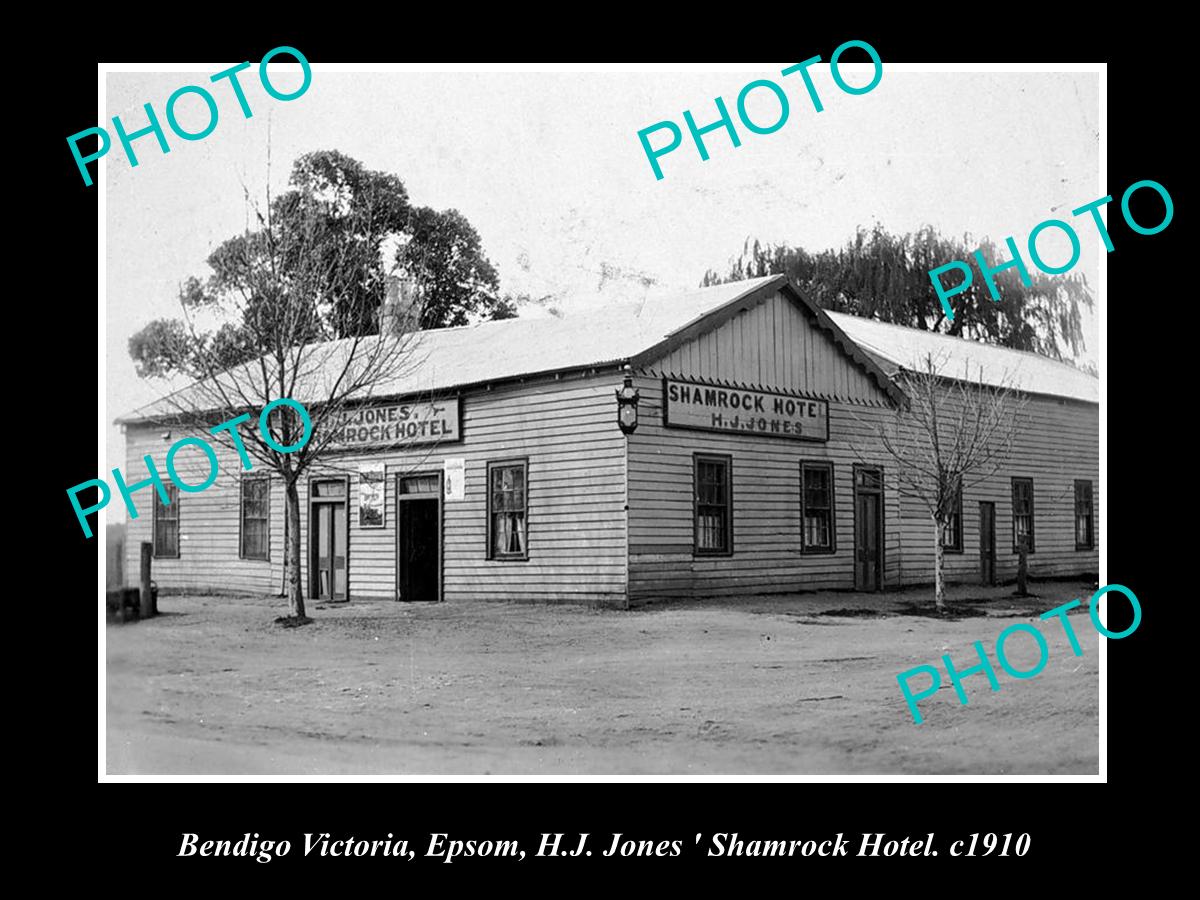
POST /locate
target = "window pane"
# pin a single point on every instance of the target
(712, 529)
(712, 503)
(507, 510)
(329, 488)
(255, 506)
(508, 533)
(816, 506)
(816, 479)
(166, 523)
(419, 484)
(816, 531)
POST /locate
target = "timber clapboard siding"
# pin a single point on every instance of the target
(566, 430)
(766, 508)
(1057, 442)
(610, 518)
(774, 345)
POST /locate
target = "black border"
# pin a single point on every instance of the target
(1144, 80)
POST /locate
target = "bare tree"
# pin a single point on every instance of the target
(296, 302)
(952, 434)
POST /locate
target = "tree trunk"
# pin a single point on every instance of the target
(287, 551)
(939, 562)
(295, 588)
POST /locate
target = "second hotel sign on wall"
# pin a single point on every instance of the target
(399, 423)
(688, 404)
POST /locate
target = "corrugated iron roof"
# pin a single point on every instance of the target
(447, 358)
(897, 347)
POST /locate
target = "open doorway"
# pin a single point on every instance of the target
(419, 537)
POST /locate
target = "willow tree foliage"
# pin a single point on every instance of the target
(880, 275)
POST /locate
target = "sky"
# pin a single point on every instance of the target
(549, 169)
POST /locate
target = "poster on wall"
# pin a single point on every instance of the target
(371, 484)
(455, 478)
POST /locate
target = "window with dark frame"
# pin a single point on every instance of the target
(166, 524)
(714, 505)
(256, 515)
(952, 536)
(816, 507)
(1022, 513)
(507, 510)
(1085, 522)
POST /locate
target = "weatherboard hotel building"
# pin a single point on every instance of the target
(752, 467)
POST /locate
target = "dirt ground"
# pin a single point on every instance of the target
(802, 684)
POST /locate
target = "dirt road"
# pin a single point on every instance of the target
(776, 685)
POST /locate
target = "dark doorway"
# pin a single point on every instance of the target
(868, 528)
(419, 538)
(987, 542)
(330, 539)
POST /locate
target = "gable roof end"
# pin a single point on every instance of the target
(715, 318)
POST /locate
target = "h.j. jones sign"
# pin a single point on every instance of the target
(401, 423)
(687, 404)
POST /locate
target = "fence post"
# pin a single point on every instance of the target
(147, 600)
(1023, 569)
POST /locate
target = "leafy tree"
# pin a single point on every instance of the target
(367, 229)
(884, 276)
(507, 307)
(446, 250)
(295, 306)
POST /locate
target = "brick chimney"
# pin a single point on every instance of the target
(400, 311)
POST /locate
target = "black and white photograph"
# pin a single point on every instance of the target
(588, 421)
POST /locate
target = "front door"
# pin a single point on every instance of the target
(868, 529)
(987, 543)
(419, 541)
(329, 538)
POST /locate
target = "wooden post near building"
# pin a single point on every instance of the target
(1023, 568)
(147, 599)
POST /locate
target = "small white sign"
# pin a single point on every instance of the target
(455, 471)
